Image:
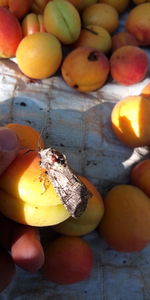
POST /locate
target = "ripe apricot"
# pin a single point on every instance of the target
(129, 65)
(139, 26)
(120, 6)
(28, 137)
(62, 19)
(85, 69)
(123, 38)
(19, 10)
(140, 175)
(130, 120)
(26, 199)
(89, 219)
(39, 55)
(101, 14)
(126, 222)
(67, 260)
(10, 33)
(32, 23)
(81, 4)
(96, 37)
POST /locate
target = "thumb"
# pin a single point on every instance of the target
(9, 146)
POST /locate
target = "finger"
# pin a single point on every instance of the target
(26, 249)
(7, 269)
(9, 146)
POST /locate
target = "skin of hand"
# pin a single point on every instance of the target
(19, 244)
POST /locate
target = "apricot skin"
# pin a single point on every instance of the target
(126, 222)
(39, 55)
(89, 219)
(123, 38)
(101, 14)
(96, 37)
(62, 19)
(10, 33)
(140, 176)
(82, 4)
(130, 121)
(67, 260)
(85, 69)
(25, 200)
(32, 23)
(139, 26)
(129, 65)
(19, 9)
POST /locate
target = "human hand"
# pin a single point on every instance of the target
(19, 244)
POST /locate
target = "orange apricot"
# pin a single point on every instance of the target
(67, 260)
(126, 222)
(130, 121)
(39, 55)
(28, 137)
(82, 4)
(85, 69)
(139, 26)
(120, 6)
(123, 38)
(96, 37)
(101, 14)
(27, 198)
(32, 23)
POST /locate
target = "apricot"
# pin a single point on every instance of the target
(146, 90)
(25, 199)
(129, 65)
(19, 9)
(67, 260)
(38, 6)
(120, 6)
(10, 33)
(89, 219)
(62, 19)
(28, 137)
(101, 14)
(32, 23)
(140, 176)
(39, 55)
(85, 69)
(130, 120)
(139, 26)
(125, 225)
(96, 37)
(82, 4)
(123, 38)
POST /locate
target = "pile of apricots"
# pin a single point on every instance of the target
(121, 217)
(78, 38)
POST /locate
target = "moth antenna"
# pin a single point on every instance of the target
(40, 136)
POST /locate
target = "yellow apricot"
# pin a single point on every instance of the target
(130, 120)
(39, 55)
(28, 137)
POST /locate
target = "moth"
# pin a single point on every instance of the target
(71, 190)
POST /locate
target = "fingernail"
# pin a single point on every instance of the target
(8, 139)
